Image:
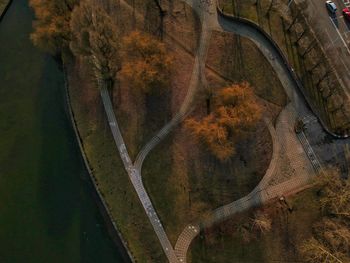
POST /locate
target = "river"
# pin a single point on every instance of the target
(47, 210)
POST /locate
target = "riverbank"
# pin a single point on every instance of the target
(4, 5)
(111, 226)
(107, 169)
(48, 213)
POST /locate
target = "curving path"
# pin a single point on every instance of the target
(134, 170)
(284, 135)
(263, 192)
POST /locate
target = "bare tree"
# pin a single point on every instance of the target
(261, 222)
(95, 36)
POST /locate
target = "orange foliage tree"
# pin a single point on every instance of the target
(51, 26)
(235, 112)
(145, 62)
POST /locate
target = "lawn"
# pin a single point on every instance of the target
(108, 169)
(275, 23)
(279, 245)
(144, 115)
(184, 181)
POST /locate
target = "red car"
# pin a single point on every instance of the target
(346, 13)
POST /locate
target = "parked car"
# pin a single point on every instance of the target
(330, 5)
(346, 13)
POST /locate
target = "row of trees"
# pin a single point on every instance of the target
(86, 29)
(52, 24)
(331, 235)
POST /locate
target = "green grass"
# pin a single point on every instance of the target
(110, 175)
(279, 245)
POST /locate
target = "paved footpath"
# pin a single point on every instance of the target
(134, 171)
(135, 177)
(206, 9)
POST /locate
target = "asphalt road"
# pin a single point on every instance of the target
(335, 30)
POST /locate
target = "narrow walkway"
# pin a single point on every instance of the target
(263, 192)
(134, 170)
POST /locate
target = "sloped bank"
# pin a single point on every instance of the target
(107, 170)
(4, 6)
(111, 226)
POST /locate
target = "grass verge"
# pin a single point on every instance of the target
(108, 169)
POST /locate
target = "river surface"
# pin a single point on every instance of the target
(47, 210)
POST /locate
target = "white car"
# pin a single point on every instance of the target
(330, 5)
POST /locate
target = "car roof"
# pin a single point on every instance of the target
(332, 4)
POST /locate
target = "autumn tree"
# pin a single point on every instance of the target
(146, 63)
(331, 235)
(51, 25)
(95, 36)
(235, 112)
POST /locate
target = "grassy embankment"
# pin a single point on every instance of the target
(3, 4)
(108, 169)
(279, 245)
(298, 53)
(103, 156)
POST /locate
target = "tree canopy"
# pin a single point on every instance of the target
(146, 62)
(235, 112)
(95, 35)
(331, 235)
(51, 26)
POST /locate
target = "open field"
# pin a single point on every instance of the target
(184, 181)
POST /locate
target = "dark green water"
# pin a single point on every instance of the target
(47, 210)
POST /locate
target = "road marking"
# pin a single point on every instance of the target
(341, 37)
